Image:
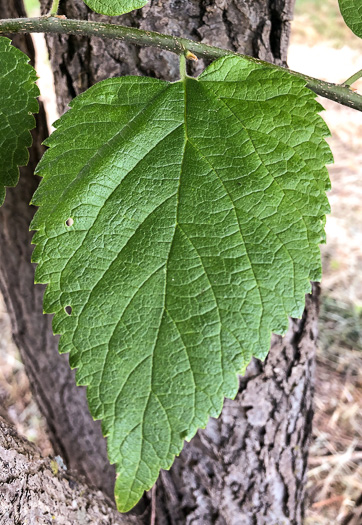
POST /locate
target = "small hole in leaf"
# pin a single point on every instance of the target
(69, 222)
(68, 309)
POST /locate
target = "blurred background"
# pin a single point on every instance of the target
(321, 46)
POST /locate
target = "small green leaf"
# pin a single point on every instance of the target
(18, 100)
(352, 13)
(181, 223)
(115, 7)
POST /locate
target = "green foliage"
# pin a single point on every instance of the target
(32, 7)
(18, 101)
(352, 13)
(181, 223)
(115, 7)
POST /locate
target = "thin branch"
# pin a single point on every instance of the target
(351, 80)
(335, 458)
(341, 94)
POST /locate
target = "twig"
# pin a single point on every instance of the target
(331, 459)
(341, 94)
(329, 501)
(351, 80)
(343, 460)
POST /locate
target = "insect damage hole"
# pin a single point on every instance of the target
(69, 222)
(68, 309)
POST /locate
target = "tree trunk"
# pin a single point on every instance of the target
(63, 405)
(248, 467)
(255, 27)
(37, 490)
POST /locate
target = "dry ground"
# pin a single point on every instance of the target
(335, 466)
(335, 469)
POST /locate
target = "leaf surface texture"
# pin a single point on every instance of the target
(352, 13)
(115, 7)
(181, 223)
(18, 100)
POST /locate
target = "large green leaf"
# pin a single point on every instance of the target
(352, 13)
(18, 100)
(181, 223)
(115, 7)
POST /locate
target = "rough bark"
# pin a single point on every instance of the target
(247, 467)
(255, 27)
(38, 490)
(63, 405)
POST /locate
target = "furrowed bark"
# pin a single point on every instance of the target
(73, 433)
(34, 489)
(248, 467)
(255, 27)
